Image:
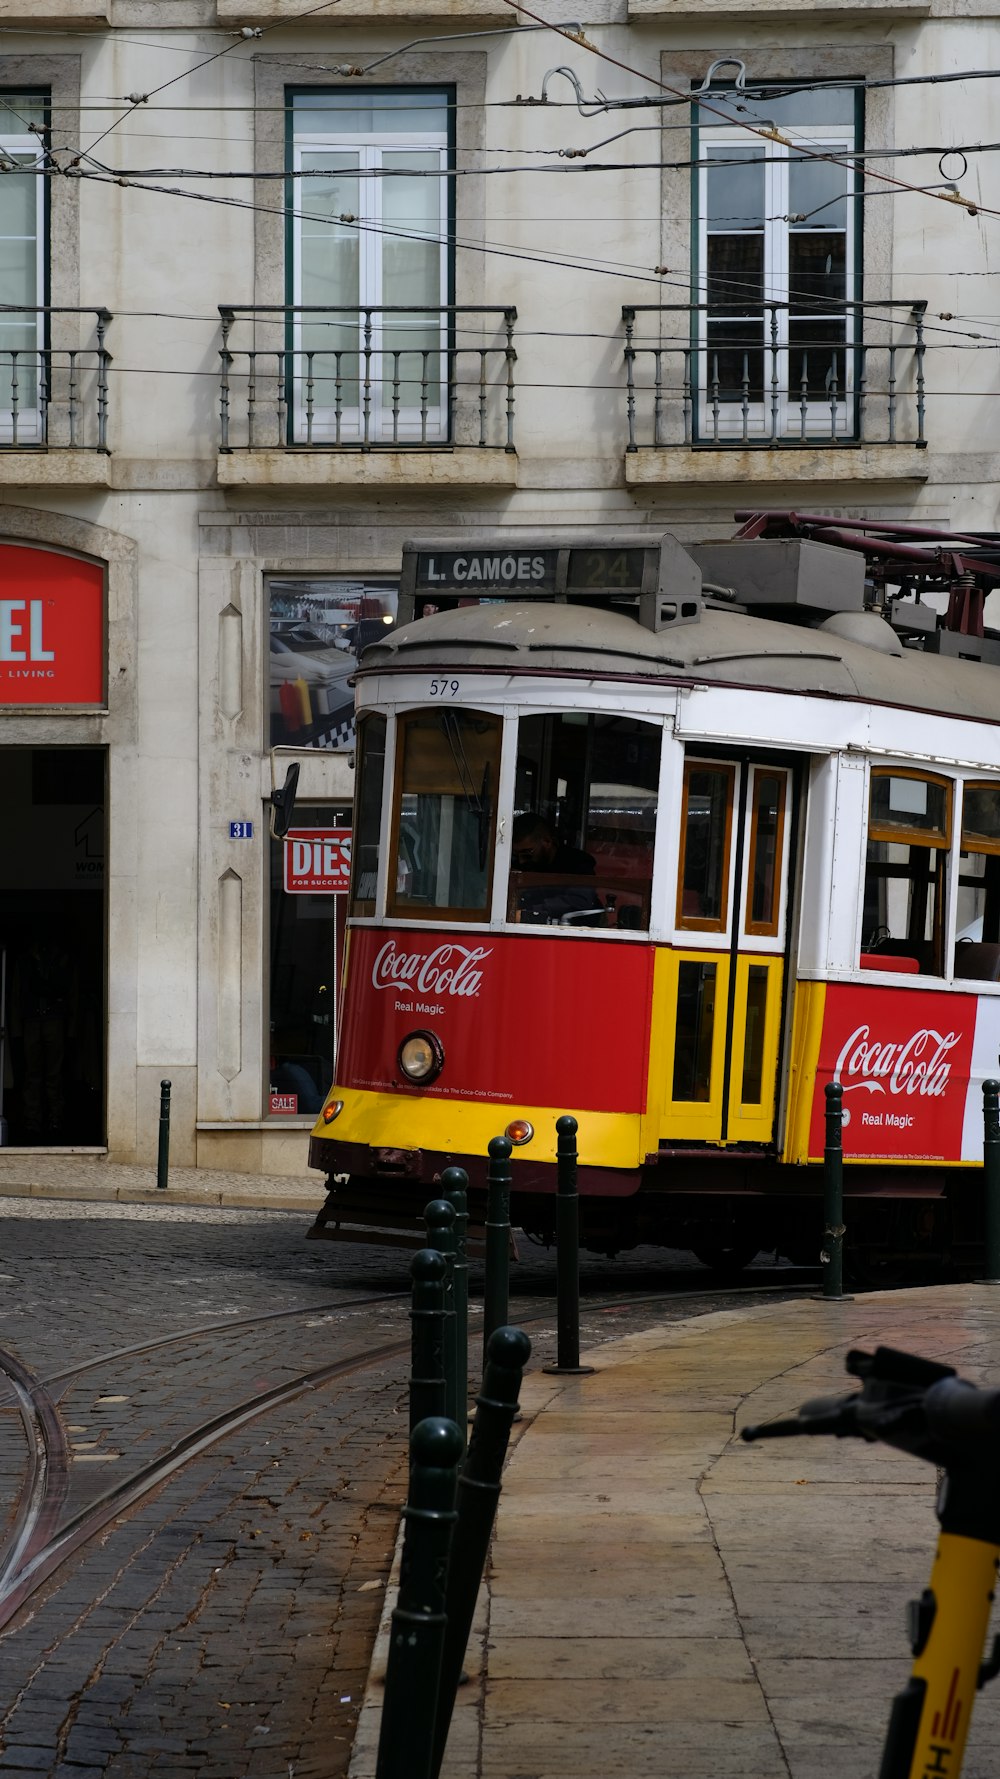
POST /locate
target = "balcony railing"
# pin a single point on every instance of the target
(53, 394)
(386, 378)
(703, 375)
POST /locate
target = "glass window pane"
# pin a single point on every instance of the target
(734, 361)
(910, 805)
(317, 630)
(904, 905)
(400, 111)
(369, 797)
(765, 853)
(704, 885)
(584, 821)
(804, 111)
(18, 111)
(735, 274)
(448, 769)
(752, 1090)
(818, 367)
(817, 270)
(306, 955)
(696, 989)
(17, 272)
(735, 186)
(817, 190)
(18, 200)
(981, 816)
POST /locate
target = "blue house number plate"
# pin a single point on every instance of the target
(241, 830)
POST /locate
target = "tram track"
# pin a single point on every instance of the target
(38, 1546)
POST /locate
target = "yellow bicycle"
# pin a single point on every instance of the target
(927, 1410)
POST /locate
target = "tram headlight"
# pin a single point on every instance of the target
(421, 1057)
(520, 1130)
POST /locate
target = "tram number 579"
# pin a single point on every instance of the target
(445, 688)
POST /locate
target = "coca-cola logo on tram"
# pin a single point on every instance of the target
(904, 1070)
(449, 969)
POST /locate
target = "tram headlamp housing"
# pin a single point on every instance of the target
(421, 1057)
(520, 1130)
(332, 1111)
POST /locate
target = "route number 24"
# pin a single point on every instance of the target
(445, 688)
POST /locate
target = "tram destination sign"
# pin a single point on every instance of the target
(479, 571)
(523, 568)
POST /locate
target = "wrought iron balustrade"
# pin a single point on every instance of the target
(53, 393)
(782, 376)
(366, 378)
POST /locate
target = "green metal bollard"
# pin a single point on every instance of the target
(163, 1146)
(428, 1389)
(455, 1188)
(439, 1217)
(478, 1493)
(832, 1255)
(416, 1637)
(496, 1281)
(991, 1178)
(567, 1254)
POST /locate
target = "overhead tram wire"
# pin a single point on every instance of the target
(765, 134)
(595, 268)
(107, 175)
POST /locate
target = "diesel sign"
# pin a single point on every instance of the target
(51, 628)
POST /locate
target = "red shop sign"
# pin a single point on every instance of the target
(318, 861)
(51, 628)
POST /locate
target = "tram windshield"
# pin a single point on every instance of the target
(444, 814)
(909, 833)
(584, 821)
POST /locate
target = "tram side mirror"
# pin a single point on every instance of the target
(283, 802)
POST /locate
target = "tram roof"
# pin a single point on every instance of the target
(722, 647)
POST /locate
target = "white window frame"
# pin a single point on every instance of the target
(411, 425)
(767, 418)
(18, 145)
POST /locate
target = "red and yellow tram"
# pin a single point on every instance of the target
(670, 838)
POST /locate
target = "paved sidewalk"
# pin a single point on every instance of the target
(42, 1174)
(663, 1599)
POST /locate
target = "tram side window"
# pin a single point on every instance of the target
(909, 833)
(977, 929)
(585, 821)
(444, 815)
(371, 777)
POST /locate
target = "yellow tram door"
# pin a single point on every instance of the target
(719, 987)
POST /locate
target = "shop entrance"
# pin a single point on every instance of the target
(53, 949)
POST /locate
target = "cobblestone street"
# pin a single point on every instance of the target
(219, 1620)
(223, 1627)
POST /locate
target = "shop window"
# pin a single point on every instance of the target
(977, 926)
(909, 833)
(22, 267)
(585, 821)
(309, 879)
(444, 817)
(317, 629)
(374, 364)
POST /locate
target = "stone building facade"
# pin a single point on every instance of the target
(283, 286)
